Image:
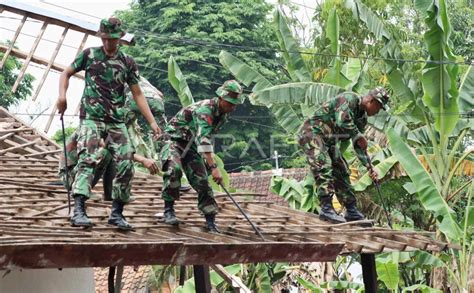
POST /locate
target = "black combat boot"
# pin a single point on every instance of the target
(117, 218)
(328, 213)
(211, 223)
(352, 214)
(80, 219)
(169, 215)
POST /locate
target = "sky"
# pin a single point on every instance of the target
(86, 10)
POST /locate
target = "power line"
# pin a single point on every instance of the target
(259, 49)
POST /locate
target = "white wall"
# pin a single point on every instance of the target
(48, 281)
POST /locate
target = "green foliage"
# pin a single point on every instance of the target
(58, 135)
(299, 195)
(191, 32)
(8, 76)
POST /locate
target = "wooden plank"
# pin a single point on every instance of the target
(100, 254)
(20, 146)
(43, 153)
(50, 63)
(234, 281)
(13, 41)
(28, 59)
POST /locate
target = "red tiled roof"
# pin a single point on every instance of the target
(259, 182)
(134, 279)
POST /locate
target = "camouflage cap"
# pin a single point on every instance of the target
(230, 86)
(381, 95)
(110, 28)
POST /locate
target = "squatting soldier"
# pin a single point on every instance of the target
(102, 115)
(154, 98)
(189, 139)
(105, 167)
(338, 120)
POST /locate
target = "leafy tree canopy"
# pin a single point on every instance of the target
(194, 32)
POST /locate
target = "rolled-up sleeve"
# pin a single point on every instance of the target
(204, 123)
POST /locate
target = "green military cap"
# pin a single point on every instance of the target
(381, 95)
(230, 86)
(110, 28)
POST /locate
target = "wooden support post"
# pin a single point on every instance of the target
(202, 279)
(182, 275)
(28, 59)
(17, 33)
(369, 272)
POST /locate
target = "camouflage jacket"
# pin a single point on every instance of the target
(197, 123)
(103, 97)
(155, 101)
(338, 120)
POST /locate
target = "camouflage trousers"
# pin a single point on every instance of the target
(178, 157)
(105, 169)
(329, 168)
(117, 142)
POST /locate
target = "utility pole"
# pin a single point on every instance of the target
(277, 171)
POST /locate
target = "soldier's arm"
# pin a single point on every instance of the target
(150, 164)
(204, 123)
(345, 121)
(143, 107)
(77, 65)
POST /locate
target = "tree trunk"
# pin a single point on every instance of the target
(439, 279)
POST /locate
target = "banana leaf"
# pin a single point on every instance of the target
(286, 116)
(387, 270)
(382, 169)
(427, 192)
(291, 51)
(466, 101)
(308, 93)
(243, 72)
(439, 80)
(178, 82)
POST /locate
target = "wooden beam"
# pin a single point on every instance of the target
(234, 281)
(17, 33)
(28, 59)
(50, 63)
(202, 279)
(38, 60)
(152, 251)
(369, 272)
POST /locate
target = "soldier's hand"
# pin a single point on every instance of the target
(151, 165)
(156, 131)
(362, 143)
(216, 175)
(61, 105)
(373, 175)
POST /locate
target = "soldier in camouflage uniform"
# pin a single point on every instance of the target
(189, 140)
(105, 167)
(336, 121)
(102, 115)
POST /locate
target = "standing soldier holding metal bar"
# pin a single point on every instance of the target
(102, 115)
(189, 140)
(336, 121)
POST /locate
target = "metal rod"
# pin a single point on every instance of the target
(66, 170)
(243, 213)
(377, 186)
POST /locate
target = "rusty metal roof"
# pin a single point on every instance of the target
(35, 231)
